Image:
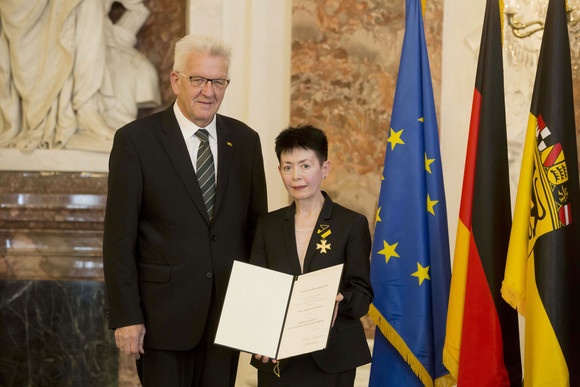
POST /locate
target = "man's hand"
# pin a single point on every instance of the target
(129, 340)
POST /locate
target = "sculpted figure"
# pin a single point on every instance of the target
(56, 72)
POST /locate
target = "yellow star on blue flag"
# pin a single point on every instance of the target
(422, 273)
(395, 138)
(389, 251)
(428, 163)
(431, 205)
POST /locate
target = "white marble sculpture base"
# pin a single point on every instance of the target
(53, 160)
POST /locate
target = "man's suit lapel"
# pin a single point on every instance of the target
(174, 144)
(323, 220)
(226, 149)
(290, 240)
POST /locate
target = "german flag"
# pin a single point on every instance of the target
(482, 342)
(543, 264)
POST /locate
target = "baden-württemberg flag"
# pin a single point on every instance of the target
(410, 269)
(482, 341)
(542, 273)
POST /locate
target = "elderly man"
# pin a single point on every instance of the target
(186, 187)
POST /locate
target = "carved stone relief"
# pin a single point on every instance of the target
(69, 76)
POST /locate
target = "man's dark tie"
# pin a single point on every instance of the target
(205, 171)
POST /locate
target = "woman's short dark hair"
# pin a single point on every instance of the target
(305, 137)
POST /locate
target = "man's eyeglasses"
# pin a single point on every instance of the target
(199, 82)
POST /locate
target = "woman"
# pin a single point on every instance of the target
(311, 234)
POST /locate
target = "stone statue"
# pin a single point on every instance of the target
(69, 77)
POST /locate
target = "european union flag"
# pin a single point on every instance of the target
(410, 267)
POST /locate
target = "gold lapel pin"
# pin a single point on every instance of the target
(324, 231)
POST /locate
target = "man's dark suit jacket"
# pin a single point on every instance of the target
(161, 253)
(274, 247)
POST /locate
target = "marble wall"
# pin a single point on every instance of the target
(54, 334)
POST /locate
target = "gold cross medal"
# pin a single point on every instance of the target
(324, 232)
(322, 246)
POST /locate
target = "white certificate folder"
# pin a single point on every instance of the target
(275, 314)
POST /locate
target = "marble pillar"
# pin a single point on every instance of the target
(52, 297)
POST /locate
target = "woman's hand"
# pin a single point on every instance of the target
(265, 359)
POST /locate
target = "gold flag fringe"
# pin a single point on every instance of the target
(451, 365)
(445, 381)
(398, 342)
(515, 300)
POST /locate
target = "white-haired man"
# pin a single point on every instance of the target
(186, 186)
